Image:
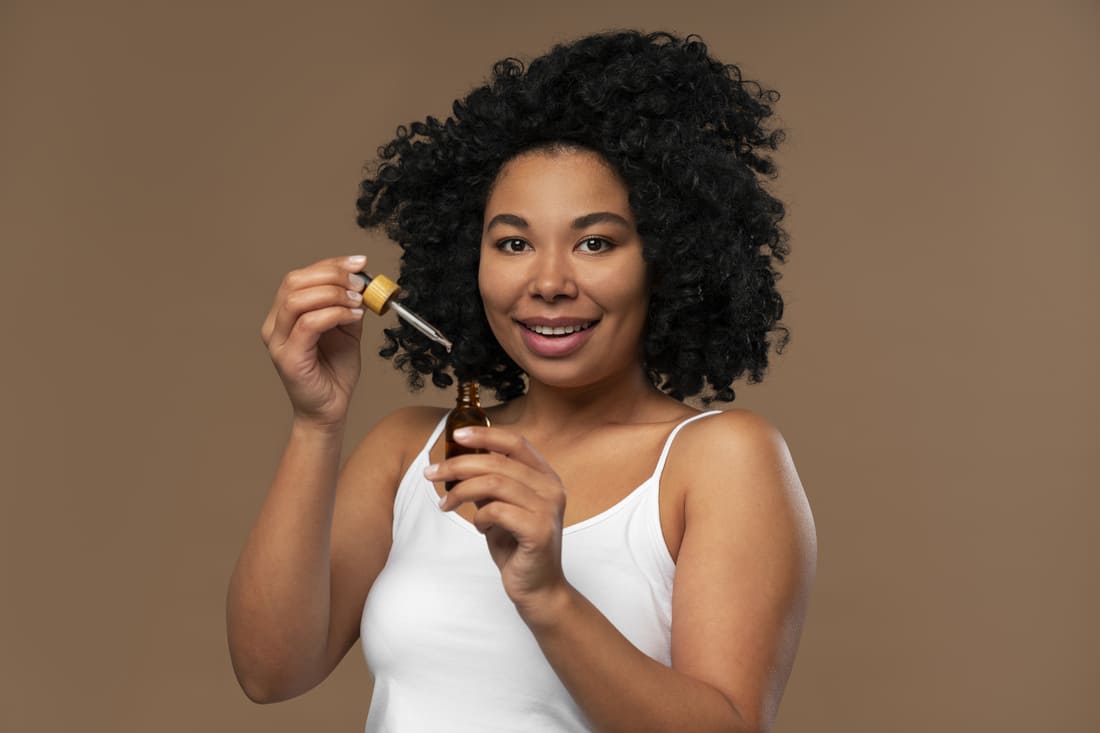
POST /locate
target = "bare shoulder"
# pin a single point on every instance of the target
(372, 472)
(736, 429)
(394, 440)
(370, 476)
(410, 422)
(737, 477)
(736, 450)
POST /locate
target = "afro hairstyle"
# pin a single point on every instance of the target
(687, 135)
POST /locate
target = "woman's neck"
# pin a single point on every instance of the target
(562, 412)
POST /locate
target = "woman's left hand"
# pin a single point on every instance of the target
(521, 503)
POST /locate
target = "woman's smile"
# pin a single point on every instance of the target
(546, 339)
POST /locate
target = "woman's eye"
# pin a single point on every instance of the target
(512, 245)
(594, 244)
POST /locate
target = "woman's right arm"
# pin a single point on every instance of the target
(322, 535)
(297, 593)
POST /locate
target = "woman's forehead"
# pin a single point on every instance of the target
(555, 184)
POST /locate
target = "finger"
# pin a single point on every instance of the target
(512, 519)
(491, 487)
(301, 302)
(355, 327)
(528, 529)
(504, 442)
(471, 465)
(331, 271)
(308, 329)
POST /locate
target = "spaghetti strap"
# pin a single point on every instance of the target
(672, 436)
(436, 433)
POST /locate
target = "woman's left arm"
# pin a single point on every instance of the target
(743, 575)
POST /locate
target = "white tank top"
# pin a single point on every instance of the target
(448, 651)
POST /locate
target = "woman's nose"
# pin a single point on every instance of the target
(553, 277)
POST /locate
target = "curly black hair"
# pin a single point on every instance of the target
(688, 137)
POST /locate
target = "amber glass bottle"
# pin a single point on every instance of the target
(467, 412)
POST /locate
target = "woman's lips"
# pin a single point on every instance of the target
(555, 346)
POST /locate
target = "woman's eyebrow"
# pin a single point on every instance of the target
(581, 222)
(516, 221)
(598, 217)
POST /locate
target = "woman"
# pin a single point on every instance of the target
(593, 235)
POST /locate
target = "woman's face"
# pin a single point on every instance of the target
(562, 276)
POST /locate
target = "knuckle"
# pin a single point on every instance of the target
(310, 320)
(292, 279)
(485, 517)
(494, 512)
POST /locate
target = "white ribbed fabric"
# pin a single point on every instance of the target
(448, 651)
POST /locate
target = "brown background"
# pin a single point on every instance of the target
(165, 163)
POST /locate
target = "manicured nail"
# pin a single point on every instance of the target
(356, 297)
(357, 260)
(464, 433)
(358, 282)
(443, 501)
(431, 471)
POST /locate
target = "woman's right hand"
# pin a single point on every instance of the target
(313, 332)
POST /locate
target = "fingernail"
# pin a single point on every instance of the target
(357, 281)
(431, 471)
(357, 260)
(463, 433)
(355, 296)
(443, 502)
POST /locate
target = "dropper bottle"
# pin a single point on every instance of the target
(467, 412)
(379, 297)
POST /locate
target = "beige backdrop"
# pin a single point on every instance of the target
(163, 164)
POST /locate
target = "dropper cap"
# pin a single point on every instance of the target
(380, 289)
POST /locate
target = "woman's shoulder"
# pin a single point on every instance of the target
(412, 420)
(730, 428)
(725, 470)
(409, 427)
(395, 440)
(737, 477)
(733, 445)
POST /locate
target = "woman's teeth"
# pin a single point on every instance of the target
(557, 330)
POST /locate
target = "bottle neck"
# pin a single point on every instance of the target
(468, 394)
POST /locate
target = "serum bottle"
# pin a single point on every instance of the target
(467, 412)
